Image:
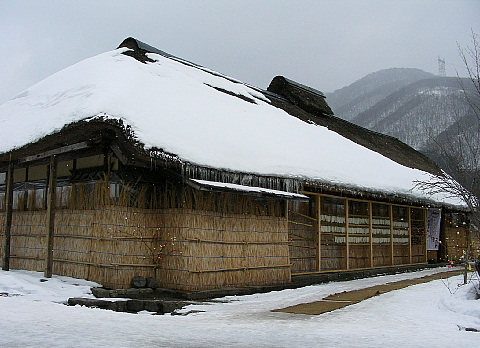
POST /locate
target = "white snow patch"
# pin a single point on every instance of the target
(33, 286)
(243, 188)
(423, 315)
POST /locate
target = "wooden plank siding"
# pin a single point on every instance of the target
(337, 233)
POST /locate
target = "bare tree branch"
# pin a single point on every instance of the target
(459, 151)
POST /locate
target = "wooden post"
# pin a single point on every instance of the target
(51, 203)
(392, 258)
(25, 201)
(409, 216)
(425, 226)
(8, 219)
(107, 164)
(370, 228)
(288, 238)
(347, 241)
(318, 202)
(469, 242)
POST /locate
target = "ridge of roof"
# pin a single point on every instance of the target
(307, 98)
(136, 44)
(140, 49)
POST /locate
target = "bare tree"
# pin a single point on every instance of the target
(471, 59)
(458, 150)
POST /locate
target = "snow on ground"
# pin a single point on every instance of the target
(423, 315)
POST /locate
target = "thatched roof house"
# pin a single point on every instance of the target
(151, 165)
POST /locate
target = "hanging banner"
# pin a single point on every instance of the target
(433, 232)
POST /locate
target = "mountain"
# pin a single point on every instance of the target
(418, 112)
(430, 113)
(358, 97)
(416, 107)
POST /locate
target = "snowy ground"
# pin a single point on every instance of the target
(424, 315)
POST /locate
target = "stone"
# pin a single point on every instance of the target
(89, 302)
(135, 306)
(171, 306)
(132, 292)
(152, 283)
(154, 306)
(139, 282)
(100, 292)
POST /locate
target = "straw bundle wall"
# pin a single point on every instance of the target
(302, 235)
(182, 248)
(103, 245)
(28, 241)
(333, 254)
(123, 245)
(218, 250)
(195, 240)
(72, 244)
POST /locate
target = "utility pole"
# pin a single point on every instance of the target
(441, 67)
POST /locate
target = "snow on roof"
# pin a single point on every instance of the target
(247, 189)
(181, 109)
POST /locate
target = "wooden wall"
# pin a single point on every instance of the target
(334, 233)
(457, 243)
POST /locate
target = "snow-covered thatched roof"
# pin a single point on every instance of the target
(200, 116)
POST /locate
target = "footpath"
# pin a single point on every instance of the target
(343, 299)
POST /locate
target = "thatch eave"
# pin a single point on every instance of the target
(98, 134)
(102, 134)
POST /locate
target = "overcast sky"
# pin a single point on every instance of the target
(324, 44)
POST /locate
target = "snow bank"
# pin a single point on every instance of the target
(182, 110)
(32, 286)
(423, 315)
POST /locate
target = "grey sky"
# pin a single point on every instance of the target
(323, 44)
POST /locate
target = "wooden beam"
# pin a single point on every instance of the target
(359, 199)
(8, 219)
(51, 203)
(118, 152)
(67, 156)
(55, 152)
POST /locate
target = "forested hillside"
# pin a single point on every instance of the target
(358, 97)
(414, 106)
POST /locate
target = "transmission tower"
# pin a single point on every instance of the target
(441, 67)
